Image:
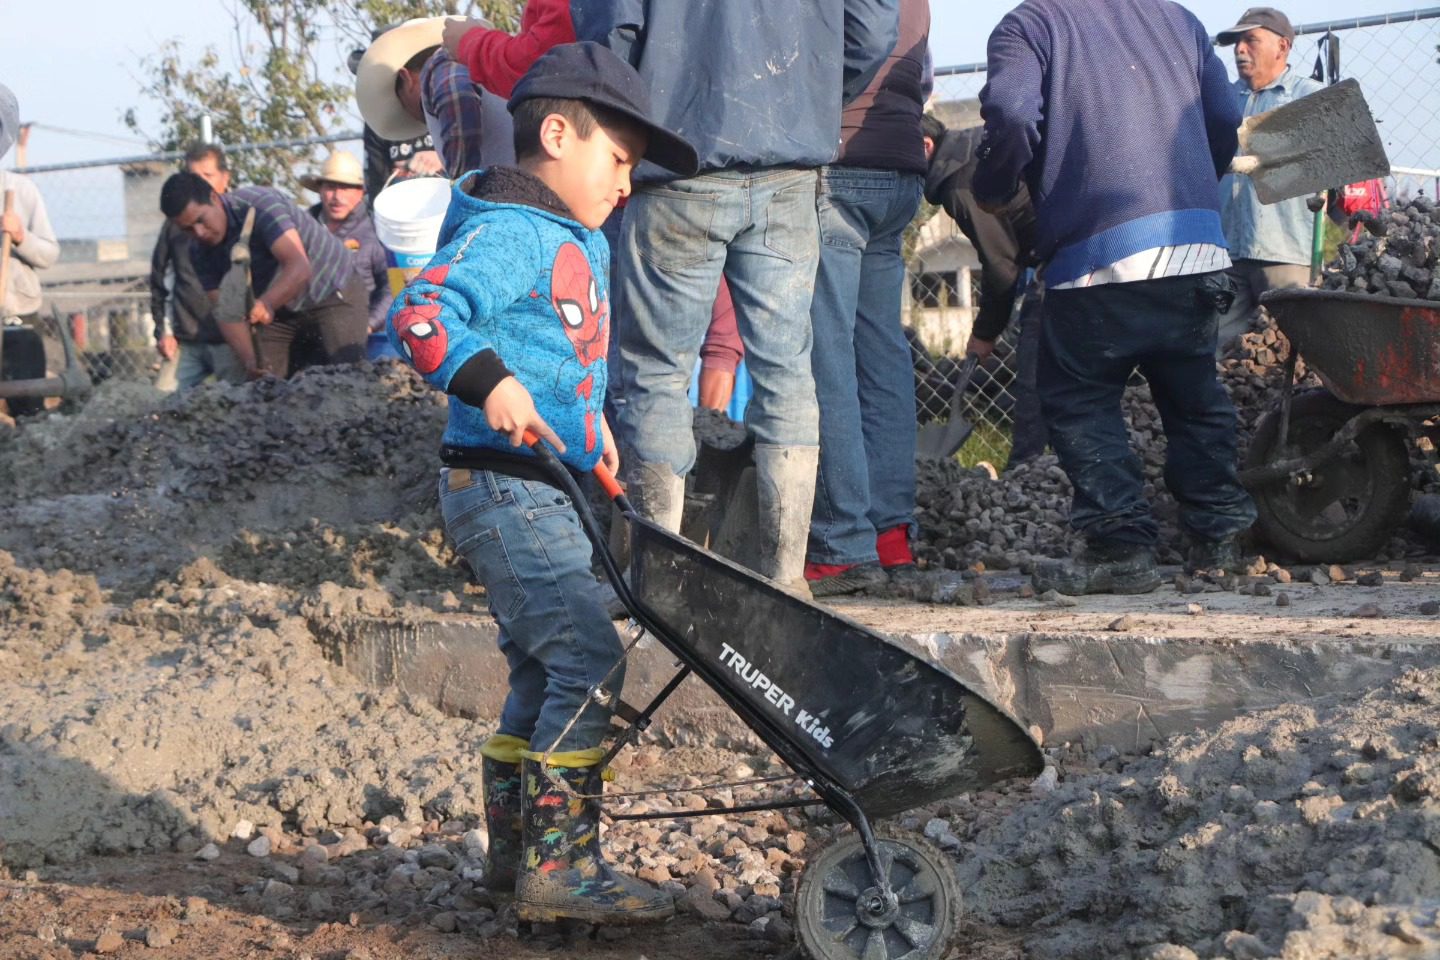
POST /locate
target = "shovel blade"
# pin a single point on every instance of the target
(1325, 140)
(941, 441)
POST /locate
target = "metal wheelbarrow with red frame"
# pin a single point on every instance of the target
(1330, 470)
(868, 729)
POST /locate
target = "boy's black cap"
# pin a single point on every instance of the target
(591, 72)
(1267, 18)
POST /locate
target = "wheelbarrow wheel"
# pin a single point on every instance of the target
(840, 913)
(1342, 510)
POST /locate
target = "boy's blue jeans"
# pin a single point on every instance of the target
(523, 540)
(758, 227)
(864, 375)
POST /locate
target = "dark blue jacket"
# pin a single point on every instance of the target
(1120, 118)
(748, 82)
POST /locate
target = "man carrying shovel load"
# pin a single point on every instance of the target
(1269, 243)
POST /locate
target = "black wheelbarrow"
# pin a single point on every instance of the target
(869, 729)
(1330, 469)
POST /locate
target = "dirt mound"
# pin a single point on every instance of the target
(1299, 832)
(276, 480)
(187, 713)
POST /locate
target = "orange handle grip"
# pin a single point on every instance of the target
(608, 483)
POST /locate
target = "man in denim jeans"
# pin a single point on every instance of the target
(757, 86)
(864, 379)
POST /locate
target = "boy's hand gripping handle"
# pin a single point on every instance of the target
(608, 483)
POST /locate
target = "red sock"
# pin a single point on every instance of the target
(819, 571)
(893, 546)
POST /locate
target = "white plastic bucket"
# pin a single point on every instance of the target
(408, 215)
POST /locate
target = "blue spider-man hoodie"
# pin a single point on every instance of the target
(516, 288)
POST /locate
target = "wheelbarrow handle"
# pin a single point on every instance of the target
(607, 480)
(592, 529)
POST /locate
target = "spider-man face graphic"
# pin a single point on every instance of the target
(576, 298)
(422, 336)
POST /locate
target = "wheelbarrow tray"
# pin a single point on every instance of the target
(837, 701)
(1368, 350)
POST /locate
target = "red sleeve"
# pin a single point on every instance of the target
(723, 348)
(497, 60)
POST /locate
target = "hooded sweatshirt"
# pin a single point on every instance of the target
(517, 288)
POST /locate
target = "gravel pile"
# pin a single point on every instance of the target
(966, 517)
(329, 477)
(1394, 255)
(1299, 832)
(214, 443)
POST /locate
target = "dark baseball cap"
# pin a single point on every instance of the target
(1257, 18)
(591, 72)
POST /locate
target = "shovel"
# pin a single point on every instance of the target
(1312, 144)
(940, 441)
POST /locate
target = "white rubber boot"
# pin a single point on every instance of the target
(785, 488)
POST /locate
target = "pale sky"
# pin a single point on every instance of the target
(79, 72)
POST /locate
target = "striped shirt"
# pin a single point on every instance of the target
(470, 127)
(331, 264)
(1173, 261)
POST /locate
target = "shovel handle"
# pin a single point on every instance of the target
(962, 383)
(608, 483)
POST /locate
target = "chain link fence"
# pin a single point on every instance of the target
(1394, 57)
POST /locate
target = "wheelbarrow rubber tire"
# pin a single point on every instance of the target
(1375, 483)
(920, 927)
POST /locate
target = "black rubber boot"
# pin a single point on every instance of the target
(562, 872)
(502, 785)
(1100, 568)
(858, 579)
(1214, 556)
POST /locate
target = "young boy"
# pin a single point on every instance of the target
(511, 319)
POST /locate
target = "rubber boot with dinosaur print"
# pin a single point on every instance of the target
(501, 780)
(562, 872)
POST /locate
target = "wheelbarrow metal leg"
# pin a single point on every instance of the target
(844, 804)
(642, 719)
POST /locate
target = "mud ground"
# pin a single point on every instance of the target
(183, 774)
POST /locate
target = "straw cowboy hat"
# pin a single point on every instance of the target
(375, 76)
(340, 167)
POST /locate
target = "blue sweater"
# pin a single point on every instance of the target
(516, 288)
(1120, 118)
